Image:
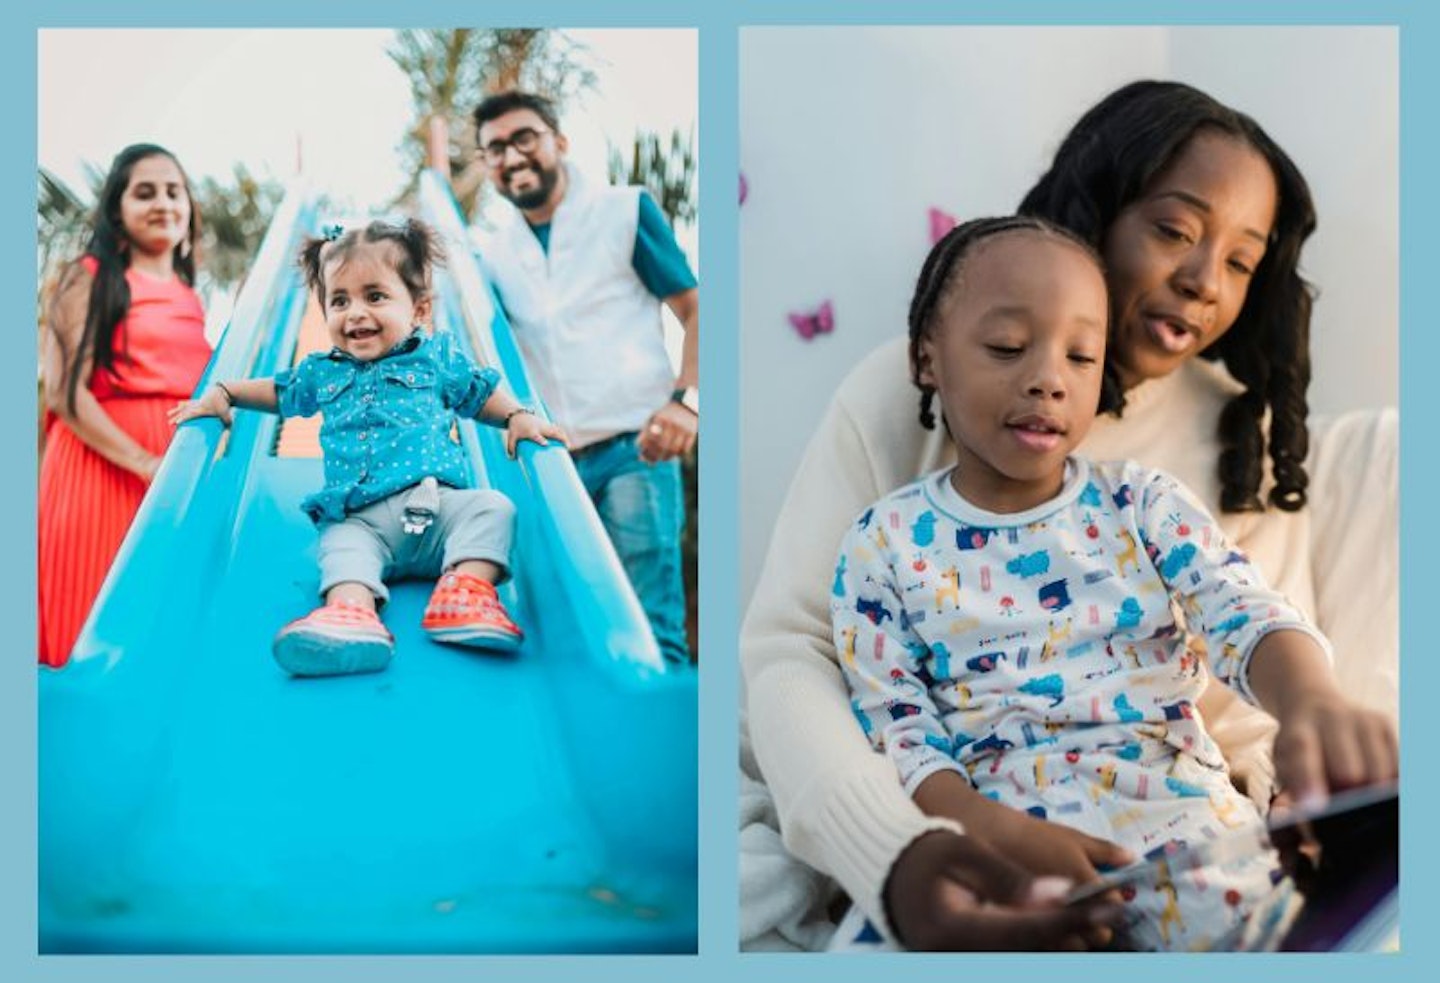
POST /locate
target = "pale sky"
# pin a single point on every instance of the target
(218, 97)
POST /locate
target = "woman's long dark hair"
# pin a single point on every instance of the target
(110, 293)
(1106, 162)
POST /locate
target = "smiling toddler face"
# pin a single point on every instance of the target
(368, 307)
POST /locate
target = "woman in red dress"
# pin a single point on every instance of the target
(124, 340)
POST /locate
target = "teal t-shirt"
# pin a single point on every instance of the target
(387, 421)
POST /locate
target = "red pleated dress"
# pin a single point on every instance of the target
(86, 503)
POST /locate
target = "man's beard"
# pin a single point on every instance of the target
(536, 196)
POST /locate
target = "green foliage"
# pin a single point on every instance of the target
(668, 172)
(234, 218)
(63, 224)
(450, 71)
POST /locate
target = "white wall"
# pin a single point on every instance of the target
(849, 135)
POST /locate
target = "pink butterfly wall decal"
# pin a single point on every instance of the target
(941, 223)
(819, 321)
(744, 188)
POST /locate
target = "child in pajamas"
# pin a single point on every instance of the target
(1013, 630)
(396, 500)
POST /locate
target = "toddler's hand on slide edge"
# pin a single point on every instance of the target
(527, 426)
(212, 403)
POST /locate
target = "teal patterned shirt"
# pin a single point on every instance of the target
(387, 422)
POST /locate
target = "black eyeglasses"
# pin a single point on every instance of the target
(524, 140)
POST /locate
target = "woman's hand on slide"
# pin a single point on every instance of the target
(950, 892)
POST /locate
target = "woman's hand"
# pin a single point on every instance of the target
(1328, 742)
(527, 426)
(146, 466)
(950, 892)
(214, 403)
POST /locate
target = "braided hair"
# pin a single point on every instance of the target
(1109, 160)
(943, 270)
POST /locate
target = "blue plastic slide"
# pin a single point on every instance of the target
(195, 798)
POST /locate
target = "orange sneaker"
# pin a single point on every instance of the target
(465, 610)
(334, 640)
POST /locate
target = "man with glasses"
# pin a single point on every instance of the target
(583, 278)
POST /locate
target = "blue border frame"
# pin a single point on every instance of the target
(1419, 26)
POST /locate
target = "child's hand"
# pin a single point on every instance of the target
(954, 892)
(1328, 742)
(212, 403)
(1045, 848)
(527, 426)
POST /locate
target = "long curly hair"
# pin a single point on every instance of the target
(109, 245)
(1107, 161)
(943, 270)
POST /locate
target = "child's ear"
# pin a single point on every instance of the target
(925, 362)
(422, 310)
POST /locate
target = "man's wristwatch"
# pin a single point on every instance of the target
(689, 397)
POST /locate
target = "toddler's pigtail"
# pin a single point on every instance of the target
(423, 251)
(309, 262)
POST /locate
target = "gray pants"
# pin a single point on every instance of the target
(371, 546)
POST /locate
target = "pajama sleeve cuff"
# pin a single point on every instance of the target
(1241, 679)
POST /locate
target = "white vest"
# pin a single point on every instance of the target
(590, 331)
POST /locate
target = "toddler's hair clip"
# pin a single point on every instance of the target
(332, 232)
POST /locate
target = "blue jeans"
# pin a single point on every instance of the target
(642, 507)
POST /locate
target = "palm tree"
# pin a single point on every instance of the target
(450, 71)
(235, 218)
(668, 174)
(64, 224)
